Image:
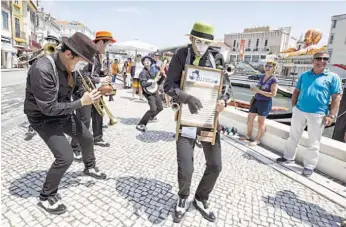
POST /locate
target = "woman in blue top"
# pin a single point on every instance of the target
(265, 90)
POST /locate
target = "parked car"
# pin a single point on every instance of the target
(254, 77)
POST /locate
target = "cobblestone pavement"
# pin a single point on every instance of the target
(142, 182)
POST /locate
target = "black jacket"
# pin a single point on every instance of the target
(145, 75)
(44, 98)
(95, 77)
(177, 66)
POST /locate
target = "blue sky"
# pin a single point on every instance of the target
(164, 23)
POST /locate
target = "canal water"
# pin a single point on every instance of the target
(245, 94)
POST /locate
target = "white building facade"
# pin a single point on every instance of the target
(69, 28)
(7, 49)
(258, 43)
(337, 40)
(46, 26)
(30, 9)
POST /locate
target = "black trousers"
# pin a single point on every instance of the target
(84, 114)
(340, 126)
(97, 123)
(212, 153)
(52, 132)
(155, 105)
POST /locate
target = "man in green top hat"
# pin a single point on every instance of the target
(197, 53)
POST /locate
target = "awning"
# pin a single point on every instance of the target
(8, 48)
(35, 44)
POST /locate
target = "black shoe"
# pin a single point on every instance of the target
(104, 126)
(77, 155)
(198, 144)
(284, 160)
(153, 119)
(30, 134)
(204, 208)
(53, 205)
(141, 128)
(307, 172)
(101, 142)
(95, 173)
(180, 210)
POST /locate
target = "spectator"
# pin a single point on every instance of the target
(115, 70)
(135, 70)
(126, 78)
(262, 102)
(310, 102)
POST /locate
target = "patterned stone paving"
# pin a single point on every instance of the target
(142, 182)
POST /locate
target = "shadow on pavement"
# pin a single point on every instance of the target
(30, 184)
(130, 121)
(307, 212)
(150, 198)
(156, 136)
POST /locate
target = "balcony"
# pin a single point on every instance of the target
(20, 37)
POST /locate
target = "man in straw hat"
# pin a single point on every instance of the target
(197, 53)
(49, 109)
(103, 38)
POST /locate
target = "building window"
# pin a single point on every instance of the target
(266, 42)
(330, 52)
(17, 27)
(234, 43)
(345, 40)
(16, 2)
(299, 47)
(257, 42)
(331, 39)
(4, 20)
(248, 44)
(333, 23)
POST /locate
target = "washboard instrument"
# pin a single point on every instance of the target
(206, 85)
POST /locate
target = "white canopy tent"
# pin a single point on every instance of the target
(136, 46)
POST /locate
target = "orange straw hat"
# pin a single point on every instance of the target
(104, 35)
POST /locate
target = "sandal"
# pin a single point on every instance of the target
(254, 143)
(244, 138)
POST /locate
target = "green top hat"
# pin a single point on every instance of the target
(203, 31)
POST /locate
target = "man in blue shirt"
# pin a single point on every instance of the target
(310, 102)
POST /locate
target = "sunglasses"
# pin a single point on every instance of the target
(320, 58)
(268, 66)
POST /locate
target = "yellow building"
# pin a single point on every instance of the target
(18, 34)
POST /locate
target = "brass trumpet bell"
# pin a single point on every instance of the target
(175, 107)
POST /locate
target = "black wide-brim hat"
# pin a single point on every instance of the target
(82, 45)
(148, 57)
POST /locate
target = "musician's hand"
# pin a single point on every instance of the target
(220, 106)
(90, 97)
(194, 104)
(105, 80)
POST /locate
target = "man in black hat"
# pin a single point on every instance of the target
(49, 109)
(199, 54)
(153, 97)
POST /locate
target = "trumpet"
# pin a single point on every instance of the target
(175, 107)
(98, 105)
(47, 49)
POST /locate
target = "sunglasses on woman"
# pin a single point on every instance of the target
(320, 58)
(268, 66)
